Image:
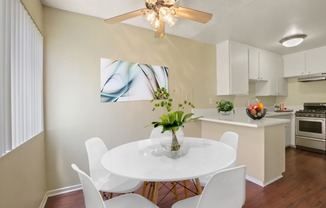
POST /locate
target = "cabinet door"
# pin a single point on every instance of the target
(276, 84)
(266, 61)
(281, 83)
(267, 66)
(294, 64)
(223, 68)
(316, 60)
(254, 64)
(239, 82)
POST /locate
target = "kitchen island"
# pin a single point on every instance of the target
(261, 144)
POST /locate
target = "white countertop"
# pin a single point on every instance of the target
(275, 114)
(241, 120)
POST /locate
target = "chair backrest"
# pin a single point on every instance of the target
(95, 150)
(226, 188)
(157, 132)
(91, 194)
(230, 138)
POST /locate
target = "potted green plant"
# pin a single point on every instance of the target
(171, 120)
(225, 106)
(276, 107)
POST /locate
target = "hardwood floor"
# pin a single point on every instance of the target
(303, 186)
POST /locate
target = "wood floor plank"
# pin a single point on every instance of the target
(303, 186)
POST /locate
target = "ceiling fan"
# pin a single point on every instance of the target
(159, 12)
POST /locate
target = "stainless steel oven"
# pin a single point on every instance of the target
(310, 127)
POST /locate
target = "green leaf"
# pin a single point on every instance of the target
(179, 115)
(186, 117)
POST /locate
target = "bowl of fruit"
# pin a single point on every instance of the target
(256, 111)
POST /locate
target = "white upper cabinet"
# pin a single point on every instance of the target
(316, 60)
(294, 64)
(232, 68)
(276, 85)
(257, 66)
(281, 84)
(305, 63)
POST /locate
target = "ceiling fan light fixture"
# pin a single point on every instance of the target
(167, 15)
(293, 40)
(170, 2)
(151, 1)
(156, 24)
(150, 16)
(161, 12)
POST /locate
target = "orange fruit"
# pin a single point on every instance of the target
(261, 105)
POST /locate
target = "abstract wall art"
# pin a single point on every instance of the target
(127, 81)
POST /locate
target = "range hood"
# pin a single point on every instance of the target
(313, 78)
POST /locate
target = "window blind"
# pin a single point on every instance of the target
(21, 87)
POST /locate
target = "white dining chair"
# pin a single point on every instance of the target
(229, 138)
(93, 198)
(225, 189)
(105, 181)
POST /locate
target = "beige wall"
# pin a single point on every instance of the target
(23, 179)
(34, 8)
(22, 171)
(74, 45)
(301, 92)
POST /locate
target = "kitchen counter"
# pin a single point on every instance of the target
(244, 120)
(275, 114)
(260, 147)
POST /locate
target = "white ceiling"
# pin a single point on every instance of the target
(259, 23)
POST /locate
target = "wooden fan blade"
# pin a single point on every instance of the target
(161, 31)
(192, 14)
(125, 16)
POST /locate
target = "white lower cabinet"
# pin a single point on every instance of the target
(289, 127)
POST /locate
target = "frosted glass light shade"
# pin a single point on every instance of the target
(292, 41)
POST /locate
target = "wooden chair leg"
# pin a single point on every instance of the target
(144, 188)
(155, 193)
(103, 195)
(200, 190)
(175, 191)
(185, 189)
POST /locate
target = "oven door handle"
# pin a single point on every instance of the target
(307, 138)
(310, 119)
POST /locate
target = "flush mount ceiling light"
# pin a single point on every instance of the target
(293, 40)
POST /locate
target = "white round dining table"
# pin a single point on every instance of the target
(147, 160)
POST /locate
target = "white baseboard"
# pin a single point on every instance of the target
(261, 183)
(59, 191)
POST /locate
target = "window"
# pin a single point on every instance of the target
(21, 76)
